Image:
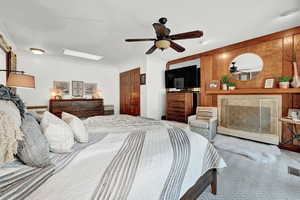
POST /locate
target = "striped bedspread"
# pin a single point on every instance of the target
(157, 164)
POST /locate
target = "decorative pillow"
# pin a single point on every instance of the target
(34, 149)
(12, 111)
(38, 117)
(7, 95)
(58, 133)
(79, 130)
(10, 134)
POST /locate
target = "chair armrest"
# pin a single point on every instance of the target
(213, 119)
(191, 118)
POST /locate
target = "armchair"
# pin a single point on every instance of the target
(204, 122)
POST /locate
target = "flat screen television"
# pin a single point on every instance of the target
(182, 78)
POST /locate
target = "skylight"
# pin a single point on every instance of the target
(82, 54)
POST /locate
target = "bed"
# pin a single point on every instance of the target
(126, 158)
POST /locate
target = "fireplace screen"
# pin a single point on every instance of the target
(250, 114)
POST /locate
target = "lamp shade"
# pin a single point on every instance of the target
(20, 80)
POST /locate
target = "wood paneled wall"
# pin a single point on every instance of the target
(276, 51)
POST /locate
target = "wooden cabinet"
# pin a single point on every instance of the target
(130, 92)
(82, 108)
(179, 106)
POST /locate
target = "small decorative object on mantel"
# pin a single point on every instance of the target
(284, 82)
(77, 88)
(224, 81)
(296, 80)
(213, 85)
(231, 86)
(143, 79)
(269, 83)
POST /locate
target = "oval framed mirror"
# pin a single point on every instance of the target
(246, 66)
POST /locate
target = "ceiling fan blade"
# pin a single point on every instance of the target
(140, 40)
(151, 50)
(187, 35)
(161, 30)
(177, 47)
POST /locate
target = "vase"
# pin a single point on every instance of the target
(296, 80)
(231, 87)
(284, 85)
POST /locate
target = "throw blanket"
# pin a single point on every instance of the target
(8, 95)
(120, 124)
(9, 136)
(158, 164)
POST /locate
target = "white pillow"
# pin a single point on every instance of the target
(79, 130)
(58, 133)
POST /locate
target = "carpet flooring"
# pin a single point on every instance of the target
(245, 179)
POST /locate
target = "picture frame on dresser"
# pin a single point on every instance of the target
(62, 86)
(77, 88)
(90, 88)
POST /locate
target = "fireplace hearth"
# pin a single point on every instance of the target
(254, 117)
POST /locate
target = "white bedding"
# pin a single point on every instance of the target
(158, 163)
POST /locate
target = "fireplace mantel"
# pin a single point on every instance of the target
(253, 91)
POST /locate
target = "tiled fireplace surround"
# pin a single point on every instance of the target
(254, 117)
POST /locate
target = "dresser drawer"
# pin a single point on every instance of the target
(174, 109)
(79, 107)
(176, 96)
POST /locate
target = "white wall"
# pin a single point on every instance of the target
(156, 91)
(186, 64)
(152, 98)
(3, 63)
(47, 68)
(2, 66)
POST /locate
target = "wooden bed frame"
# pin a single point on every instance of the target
(209, 178)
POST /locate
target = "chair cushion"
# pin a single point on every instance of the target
(201, 123)
(34, 149)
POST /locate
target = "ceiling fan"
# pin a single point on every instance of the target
(163, 38)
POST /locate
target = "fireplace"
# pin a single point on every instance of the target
(254, 117)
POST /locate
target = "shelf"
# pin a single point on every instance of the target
(254, 91)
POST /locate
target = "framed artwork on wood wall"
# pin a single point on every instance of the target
(143, 79)
(213, 85)
(77, 88)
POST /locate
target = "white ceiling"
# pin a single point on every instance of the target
(100, 26)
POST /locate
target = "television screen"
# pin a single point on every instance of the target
(181, 78)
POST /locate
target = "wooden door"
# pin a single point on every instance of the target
(130, 92)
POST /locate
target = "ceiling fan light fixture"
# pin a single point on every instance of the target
(162, 44)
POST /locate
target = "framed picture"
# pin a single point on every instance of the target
(213, 85)
(270, 83)
(63, 86)
(143, 79)
(77, 88)
(90, 88)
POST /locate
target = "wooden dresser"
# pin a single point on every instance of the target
(82, 108)
(179, 106)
